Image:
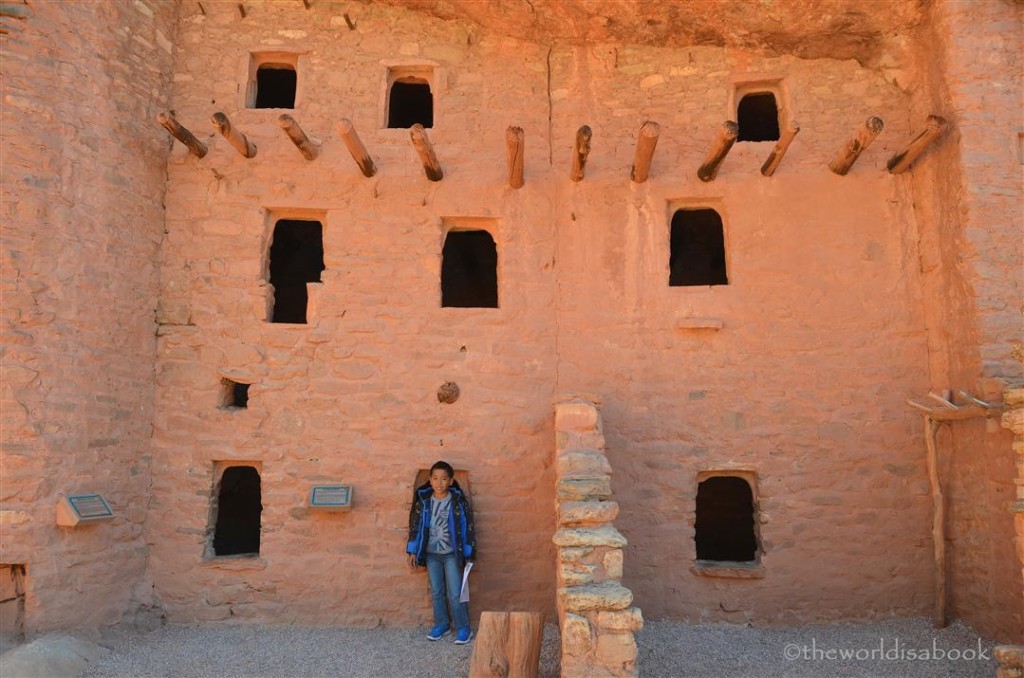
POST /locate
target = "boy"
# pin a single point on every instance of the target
(441, 536)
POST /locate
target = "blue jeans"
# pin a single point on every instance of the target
(445, 587)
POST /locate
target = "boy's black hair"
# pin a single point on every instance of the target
(443, 466)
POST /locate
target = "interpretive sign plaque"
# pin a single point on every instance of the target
(78, 508)
(331, 497)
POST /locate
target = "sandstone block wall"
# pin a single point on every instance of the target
(594, 613)
(845, 295)
(822, 336)
(803, 386)
(967, 197)
(350, 397)
(84, 172)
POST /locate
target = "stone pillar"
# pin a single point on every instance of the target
(1013, 419)
(594, 613)
(1010, 660)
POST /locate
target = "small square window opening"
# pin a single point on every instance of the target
(236, 395)
(410, 96)
(275, 86)
(758, 117)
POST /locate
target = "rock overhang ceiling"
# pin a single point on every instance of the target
(870, 31)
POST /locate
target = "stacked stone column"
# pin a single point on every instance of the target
(594, 613)
(1011, 657)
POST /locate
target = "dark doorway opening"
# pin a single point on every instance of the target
(697, 249)
(725, 520)
(238, 512)
(469, 270)
(758, 117)
(275, 86)
(410, 102)
(296, 258)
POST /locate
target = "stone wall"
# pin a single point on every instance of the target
(82, 220)
(594, 613)
(795, 373)
(821, 328)
(967, 195)
(845, 295)
(351, 397)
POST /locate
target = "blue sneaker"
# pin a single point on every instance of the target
(438, 632)
(463, 636)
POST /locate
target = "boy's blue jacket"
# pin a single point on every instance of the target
(460, 524)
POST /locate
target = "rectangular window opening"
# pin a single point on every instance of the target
(757, 115)
(273, 80)
(469, 270)
(236, 512)
(726, 525)
(235, 394)
(697, 249)
(296, 258)
(410, 98)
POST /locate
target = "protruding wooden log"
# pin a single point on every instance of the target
(849, 153)
(580, 152)
(515, 146)
(234, 137)
(356, 148)
(507, 645)
(420, 141)
(195, 146)
(308, 149)
(646, 142)
(905, 158)
(727, 134)
(781, 146)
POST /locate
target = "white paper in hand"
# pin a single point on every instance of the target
(464, 596)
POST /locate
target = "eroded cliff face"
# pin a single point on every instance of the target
(868, 31)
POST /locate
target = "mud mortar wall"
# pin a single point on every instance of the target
(968, 201)
(84, 175)
(804, 384)
(352, 396)
(823, 334)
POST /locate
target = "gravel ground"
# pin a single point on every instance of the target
(667, 650)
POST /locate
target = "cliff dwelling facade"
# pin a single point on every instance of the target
(205, 340)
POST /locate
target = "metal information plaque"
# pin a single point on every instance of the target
(78, 508)
(331, 497)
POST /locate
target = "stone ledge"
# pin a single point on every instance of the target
(714, 324)
(728, 570)
(605, 596)
(235, 563)
(590, 536)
